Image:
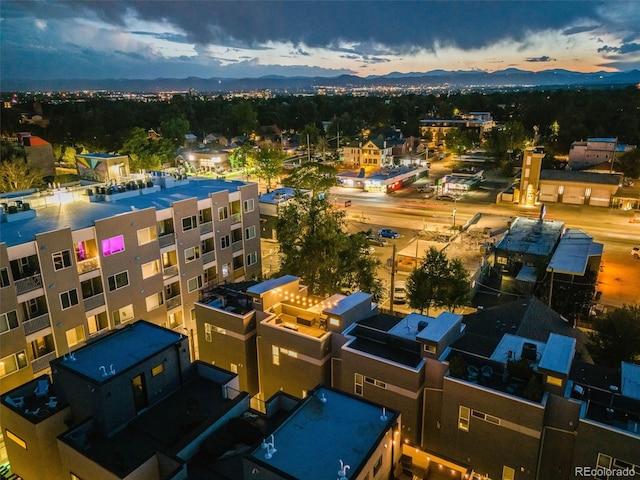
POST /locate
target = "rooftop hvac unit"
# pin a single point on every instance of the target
(421, 325)
(529, 351)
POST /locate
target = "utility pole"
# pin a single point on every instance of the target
(393, 277)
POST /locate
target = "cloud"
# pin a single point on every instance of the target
(544, 58)
(579, 29)
(623, 49)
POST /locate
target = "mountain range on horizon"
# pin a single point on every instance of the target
(459, 79)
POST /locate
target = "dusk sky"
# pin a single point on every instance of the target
(46, 39)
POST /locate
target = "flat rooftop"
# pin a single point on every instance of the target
(439, 327)
(558, 354)
(121, 348)
(531, 235)
(573, 252)
(268, 285)
(312, 441)
(61, 209)
(585, 177)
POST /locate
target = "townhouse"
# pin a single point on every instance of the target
(131, 405)
(80, 261)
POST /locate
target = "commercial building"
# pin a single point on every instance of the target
(80, 261)
(596, 152)
(479, 122)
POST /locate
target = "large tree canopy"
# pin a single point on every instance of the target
(616, 336)
(438, 282)
(315, 247)
(313, 176)
(267, 163)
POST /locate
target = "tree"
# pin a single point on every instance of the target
(322, 145)
(629, 163)
(616, 336)
(459, 141)
(438, 282)
(267, 163)
(315, 247)
(312, 176)
(503, 142)
(239, 158)
(16, 174)
(244, 118)
(142, 151)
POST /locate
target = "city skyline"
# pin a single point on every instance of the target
(145, 40)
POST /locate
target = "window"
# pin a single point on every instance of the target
(358, 385)
(207, 332)
(194, 283)
(154, 301)
(429, 348)
(123, 314)
(61, 260)
(373, 381)
(112, 245)
(75, 477)
(223, 213)
(190, 254)
(16, 439)
(8, 321)
(551, 380)
(250, 232)
(4, 277)
(247, 205)
(234, 368)
(602, 465)
(463, 418)
(119, 280)
(335, 321)
(189, 223)
(96, 323)
(275, 353)
(69, 299)
(377, 466)
(252, 258)
(147, 235)
(224, 241)
(157, 370)
(13, 363)
(225, 269)
(150, 269)
(508, 473)
(291, 353)
(75, 335)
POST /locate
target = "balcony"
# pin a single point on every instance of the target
(238, 272)
(35, 324)
(174, 302)
(28, 284)
(88, 265)
(167, 239)
(42, 362)
(170, 271)
(236, 246)
(206, 228)
(236, 218)
(208, 257)
(93, 302)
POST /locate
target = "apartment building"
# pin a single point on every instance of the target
(80, 261)
(131, 405)
(371, 153)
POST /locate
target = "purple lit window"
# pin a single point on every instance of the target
(112, 245)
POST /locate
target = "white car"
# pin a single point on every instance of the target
(635, 251)
(399, 292)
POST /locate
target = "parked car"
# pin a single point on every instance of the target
(388, 233)
(379, 242)
(447, 197)
(399, 292)
(425, 189)
(369, 250)
(635, 251)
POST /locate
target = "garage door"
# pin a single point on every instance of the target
(573, 195)
(548, 193)
(600, 197)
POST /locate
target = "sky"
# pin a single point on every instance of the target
(58, 39)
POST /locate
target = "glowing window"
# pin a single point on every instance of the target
(112, 245)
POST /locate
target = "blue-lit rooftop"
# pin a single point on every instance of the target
(312, 441)
(121, 349)
(71, 209)
(532, 236)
